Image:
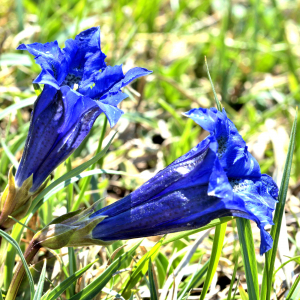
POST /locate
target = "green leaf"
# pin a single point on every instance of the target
(9, 154)
(215, 253)
(140, 268)
(162, 262)
(96, 286)
(16, 246)
(40, 286)
(183, 234)
(16, 106)
(232, 279)
(243, 294)
(153, 291)
(249, 257)
(294, 293)
(271, 254)
(213, 88)
(72, 268)
(296, 258)
(59, 289)
(11, 254)
(193, 282)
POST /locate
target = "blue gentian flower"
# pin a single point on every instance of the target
(78, 87)
(217, 178)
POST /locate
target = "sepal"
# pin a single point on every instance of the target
(70, 230)
(15, 200)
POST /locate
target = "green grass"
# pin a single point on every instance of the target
(252, 52)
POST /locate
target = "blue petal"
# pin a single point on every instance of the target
(234, 157)
(157, 216)
(89, 57)
(110, 81)
(41, 136)
(102, 82)
(131, 75)
(55, 62)
(255, 200)
(44, 99)
(163, 182)
(219, 185)
(80, 114)
(113, 99)
(112, 113)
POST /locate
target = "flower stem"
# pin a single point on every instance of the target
(29, 254)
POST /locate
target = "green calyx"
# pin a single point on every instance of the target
(15, 201)
(70, 230)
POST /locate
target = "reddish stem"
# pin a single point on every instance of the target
(29, 254)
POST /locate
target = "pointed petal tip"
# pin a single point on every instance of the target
(21, 47)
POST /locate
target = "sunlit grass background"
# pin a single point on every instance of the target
(252, 49)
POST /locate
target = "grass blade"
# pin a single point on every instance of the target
(271, 255)
(40, 286)
(243, 294)
(98, 284)
(219, 107)
(249, 257)
(140, 269)
(59, 289)
(16, 106)
(16, 246)
(215, 253)
(153, 291)
(294, 293)
(232, 279)
(9, 154)
(194, 280)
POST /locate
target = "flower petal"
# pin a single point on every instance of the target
(234, 157)
(101, 82)
(131, 75)
(80, 114)
(255, 199)
(41, 137)
(163, 182)
(55, 62)
(112, 113)
(89, 57)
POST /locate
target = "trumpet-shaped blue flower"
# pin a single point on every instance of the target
(78, 87)
(217, 178)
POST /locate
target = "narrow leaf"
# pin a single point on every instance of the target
(40, 286)
(271, 255)
(9, 154)
(140, 268)
(99, 283)
(294, 293)
(153, 291)
(243, 294)
(16, 106)
(16, 246)
(59, 289)
(249, 257)
(232, 279)
(215, 253)
(197, 276)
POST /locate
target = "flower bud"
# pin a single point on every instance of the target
(70, 230)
